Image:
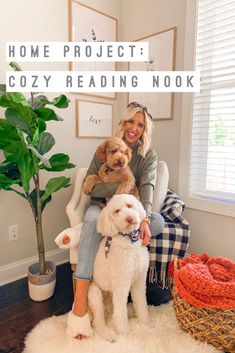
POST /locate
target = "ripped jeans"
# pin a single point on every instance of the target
(90, 240)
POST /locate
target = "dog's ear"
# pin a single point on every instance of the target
(101, 152)
(141, 210)
(128, 153)
(105, 225)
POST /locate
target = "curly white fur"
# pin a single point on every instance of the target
(123, 270)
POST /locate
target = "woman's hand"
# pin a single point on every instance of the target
(145, 233)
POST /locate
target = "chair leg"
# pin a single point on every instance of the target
(73, 268)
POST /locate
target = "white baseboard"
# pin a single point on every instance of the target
(16, 270)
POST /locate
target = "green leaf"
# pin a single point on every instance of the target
(61, 101)
(11, 171)
(16, 120)
(8, 99)
(15, 66)
(35, 139)
(39, 156)
(21, 117)
(26, 168)
(39, 101)
(46, 142)
(19, 193)
(54, 185)
(34, 200)
(5, 182)
(41, 125)
(15, 151)
(59, 162)
(46, 114)
(8, 133)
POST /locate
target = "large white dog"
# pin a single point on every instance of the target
(120, 267)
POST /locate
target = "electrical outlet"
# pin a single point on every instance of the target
(13, 232)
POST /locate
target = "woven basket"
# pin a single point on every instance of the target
(214, 326)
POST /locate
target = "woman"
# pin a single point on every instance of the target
(135, 129)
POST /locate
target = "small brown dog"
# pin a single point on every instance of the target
(115, 155)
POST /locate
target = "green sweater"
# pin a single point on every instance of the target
(144, 170)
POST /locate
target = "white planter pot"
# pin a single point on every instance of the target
(41, 287)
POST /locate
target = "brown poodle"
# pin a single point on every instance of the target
(115, 155)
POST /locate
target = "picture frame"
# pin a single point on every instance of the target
(89, 24)
(93, 119)
(162, 50)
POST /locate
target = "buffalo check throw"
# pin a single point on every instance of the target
(171, 243)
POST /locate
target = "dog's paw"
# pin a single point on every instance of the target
(144, 321)
(122, 329)
(87, 188)
(107, 333)
(89, 183)
(143, 318)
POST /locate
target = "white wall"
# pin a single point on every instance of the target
(48, 20)
(44, 20)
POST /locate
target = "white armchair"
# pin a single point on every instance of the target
(77, 205)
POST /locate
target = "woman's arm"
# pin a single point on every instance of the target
(148, 176)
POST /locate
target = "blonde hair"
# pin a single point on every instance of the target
(145, 140)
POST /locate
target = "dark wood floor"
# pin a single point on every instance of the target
(19, 314)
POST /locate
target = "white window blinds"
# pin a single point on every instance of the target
(212, 165)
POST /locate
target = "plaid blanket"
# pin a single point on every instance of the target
(171, 243)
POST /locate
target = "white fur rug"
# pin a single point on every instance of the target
(165, 336)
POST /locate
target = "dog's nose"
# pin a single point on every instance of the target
(129, 220)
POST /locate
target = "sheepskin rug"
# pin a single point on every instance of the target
(165, 336)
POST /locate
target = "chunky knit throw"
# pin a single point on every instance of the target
(205, 281)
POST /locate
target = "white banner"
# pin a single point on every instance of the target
(103, 81)
(77, 51)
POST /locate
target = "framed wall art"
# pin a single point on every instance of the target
(93, 119)
(87, 24)
(162, 47)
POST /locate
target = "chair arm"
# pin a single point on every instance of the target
(79, 201)
(161, 186)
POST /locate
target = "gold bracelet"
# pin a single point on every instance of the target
(147, 219)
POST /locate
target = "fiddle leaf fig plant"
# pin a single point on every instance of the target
(24, 142)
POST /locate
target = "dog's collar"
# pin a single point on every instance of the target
(108, 245)
(108, 170)
(134, 236)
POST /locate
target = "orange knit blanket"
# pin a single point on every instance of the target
(205, 281)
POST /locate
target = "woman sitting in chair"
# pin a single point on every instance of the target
(135, 129)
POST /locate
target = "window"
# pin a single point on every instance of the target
(211, 156)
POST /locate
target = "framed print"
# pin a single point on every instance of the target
(93, 119)
(162, 48)
(90, 25)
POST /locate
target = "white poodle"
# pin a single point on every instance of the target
(120, 267)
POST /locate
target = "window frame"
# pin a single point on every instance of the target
(191, 201)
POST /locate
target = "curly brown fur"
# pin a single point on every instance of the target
(115, 156)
